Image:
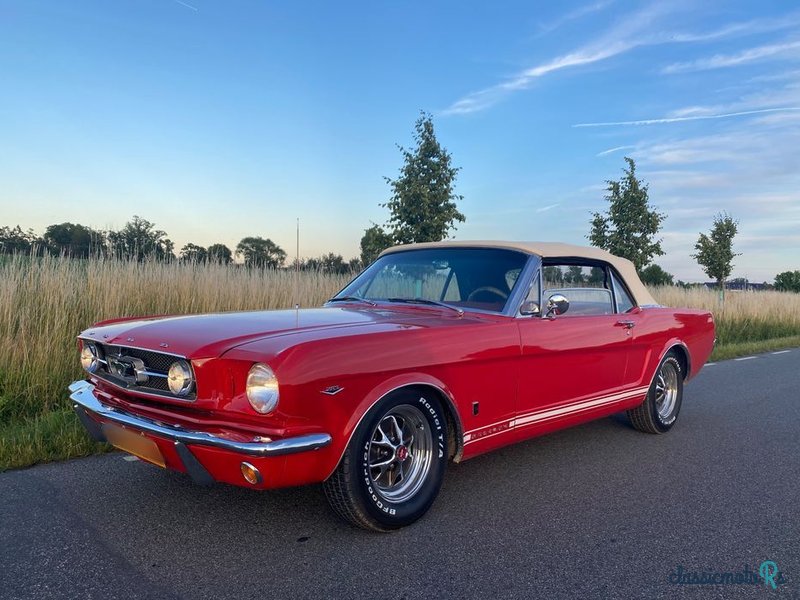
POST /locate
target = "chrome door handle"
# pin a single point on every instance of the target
(627, 324)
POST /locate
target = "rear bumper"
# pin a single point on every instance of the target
(92, 413)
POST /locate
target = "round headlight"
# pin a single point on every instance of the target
(89, 358)
(262, 389)
(180, 378)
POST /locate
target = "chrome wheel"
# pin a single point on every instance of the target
(400, 453)
(666, 390)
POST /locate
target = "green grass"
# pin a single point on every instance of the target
(45, 438)
(738, 349)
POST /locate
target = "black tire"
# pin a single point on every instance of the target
(362, 492)
(658, 412)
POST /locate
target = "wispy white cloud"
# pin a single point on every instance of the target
(619, 39)
(548, 207)
(689, 117)
(187, 5)
(720, 61)
(574, 15)
(643, 28)
(615, 149)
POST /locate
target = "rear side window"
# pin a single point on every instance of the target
(586, 286)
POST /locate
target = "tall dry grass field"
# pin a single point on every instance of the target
(746, 321)
(45, 302)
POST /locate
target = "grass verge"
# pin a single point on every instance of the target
(739, 349)
(45, 438)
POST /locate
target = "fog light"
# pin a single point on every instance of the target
(251, 474)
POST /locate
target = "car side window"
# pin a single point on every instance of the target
(624, 301)
(586, 287)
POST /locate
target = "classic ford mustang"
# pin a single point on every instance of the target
(435, 353)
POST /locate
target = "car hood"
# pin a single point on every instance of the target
(210, 335)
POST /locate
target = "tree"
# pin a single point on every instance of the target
(327, 263)
(219, 253)
(630, 224)
(74, 240)
(788, 281)
(655, 275)
(194, 253)
(423, 203)
(258, 252)
(374, 241)
(140, 239)
(715, 251)
(13, 239)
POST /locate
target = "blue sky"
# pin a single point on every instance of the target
(218, 120)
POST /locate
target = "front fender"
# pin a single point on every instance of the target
(386, 387)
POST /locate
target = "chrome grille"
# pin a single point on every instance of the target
(137, 369)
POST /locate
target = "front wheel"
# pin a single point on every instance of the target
(659, 411)
(392, 469)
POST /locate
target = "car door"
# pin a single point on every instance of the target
(572, 365)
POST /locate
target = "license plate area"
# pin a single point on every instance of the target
(134, 443)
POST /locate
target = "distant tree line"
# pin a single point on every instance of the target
(141, 240)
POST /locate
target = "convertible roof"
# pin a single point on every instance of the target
(625, 267)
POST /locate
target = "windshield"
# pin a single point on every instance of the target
(467, 278)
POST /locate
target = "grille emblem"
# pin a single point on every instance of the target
(131, 369)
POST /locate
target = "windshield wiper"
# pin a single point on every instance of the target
(426, 301)
(352, 299)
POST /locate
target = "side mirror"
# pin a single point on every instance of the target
(529, 308)
(557, 304)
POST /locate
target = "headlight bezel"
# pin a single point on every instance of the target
(89, 358)
(262, 389)
(180, 378)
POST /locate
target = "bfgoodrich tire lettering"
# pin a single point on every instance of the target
(659, 411)
(392, 469)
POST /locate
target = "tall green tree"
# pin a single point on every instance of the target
(139, 240)
(423, 202)
(219, 253)
(374, 241)
(260, 252)
(788, 281)
(655, 275)
(74, 240)
(715, 251)
(629, 227)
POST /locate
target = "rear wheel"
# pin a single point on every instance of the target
(392, 469)
(659, 411)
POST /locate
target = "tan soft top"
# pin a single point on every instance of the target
(552, 250)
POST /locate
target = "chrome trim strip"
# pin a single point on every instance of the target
(525, 280)
(107, 343)
(136, 391)
(82, 395)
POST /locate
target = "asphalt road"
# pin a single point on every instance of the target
(595, 511)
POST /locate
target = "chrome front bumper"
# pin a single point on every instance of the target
(86, 403)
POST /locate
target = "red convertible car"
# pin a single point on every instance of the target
(435, 353)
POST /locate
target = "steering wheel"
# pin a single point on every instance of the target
(487, 289)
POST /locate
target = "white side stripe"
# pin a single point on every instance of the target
(534, 416)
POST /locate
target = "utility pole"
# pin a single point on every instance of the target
(297, 268)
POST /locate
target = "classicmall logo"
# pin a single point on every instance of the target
(767, 575)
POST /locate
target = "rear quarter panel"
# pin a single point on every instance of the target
(658, 330)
